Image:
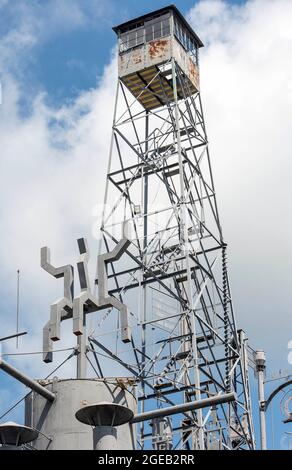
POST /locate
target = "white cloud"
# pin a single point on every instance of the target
(246, 88)
(32, 24)
(52, 170)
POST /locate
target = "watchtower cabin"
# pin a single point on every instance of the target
(147, 46)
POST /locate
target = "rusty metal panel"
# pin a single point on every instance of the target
(158, 51)
(155, 53)
(139, 66)
(148, 54)
(193, 74)
(132, 61)
(185, 62)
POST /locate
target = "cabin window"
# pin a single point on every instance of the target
(186, 40)
(157, 28)
(153, 29)
(131, 39)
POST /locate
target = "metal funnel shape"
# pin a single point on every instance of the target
(15, 434)
(104, 414)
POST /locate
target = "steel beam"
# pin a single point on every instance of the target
(184, 407)
(260, 361)
(13, 336)
(35, 386)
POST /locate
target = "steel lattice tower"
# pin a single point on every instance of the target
(170, 366)
(173, 275)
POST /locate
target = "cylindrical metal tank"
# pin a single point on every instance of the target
(56, 421)
(10, 448)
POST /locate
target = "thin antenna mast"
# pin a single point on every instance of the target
(17, 308)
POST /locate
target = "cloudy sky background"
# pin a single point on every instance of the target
(58, 74)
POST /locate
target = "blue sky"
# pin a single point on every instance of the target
(80, 55)
(57, 65)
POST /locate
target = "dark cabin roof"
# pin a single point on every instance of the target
(124, 26)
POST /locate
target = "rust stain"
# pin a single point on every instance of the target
(137, 59)
(157, 48)
(194, 73)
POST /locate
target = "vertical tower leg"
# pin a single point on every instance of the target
(260, 361)
(185, 247)
(81, 356)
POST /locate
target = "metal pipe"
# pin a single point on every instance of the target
(17, 308)
(5, 338)
(262, 410)
(144, 288)
(105, 438)
(184, 407)
(260, 361)
(50, 396)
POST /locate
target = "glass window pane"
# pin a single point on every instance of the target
(149, 33)
(123, 42)
(132, 41)
(157, 30)
(184, 39)
(166, 30)
(140, 35)
(124, 38)
(165, 27)
(132, 36)
(164, 17)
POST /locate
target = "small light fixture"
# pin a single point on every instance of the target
(137, 209)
